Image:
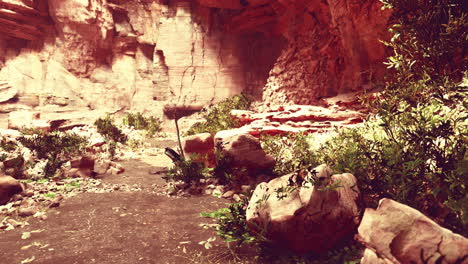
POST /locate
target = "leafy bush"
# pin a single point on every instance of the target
(218, 117)
(107, 128)
(231, 223)
(7, 145)
(56, 147)
(151, 124)
(291, 152)
(427, 42)
(417, 157)
(187, 170)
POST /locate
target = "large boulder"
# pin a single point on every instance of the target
(9, 186)
(306, 211)
(202, 146)
(397, 233)
(200, 143)
(245, 150)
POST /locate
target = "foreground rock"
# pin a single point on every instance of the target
(9, 186)
(244, 150)
(303, 217)
(396, 233)
(201, 145)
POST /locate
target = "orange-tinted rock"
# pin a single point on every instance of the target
(302, 217)
(244, 150)
(8, 187)
(296, 119)
(141, 55)
(199, 143)
(397, 233)
(333, 47)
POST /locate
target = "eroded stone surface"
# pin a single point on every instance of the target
(141, 55)
(296, 215)
(397, 233)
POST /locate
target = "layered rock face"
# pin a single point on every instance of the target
(126, 55)
(333, 45)
(79, 55)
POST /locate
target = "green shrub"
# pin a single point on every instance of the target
(7, 145)
(218, 116)
(187, 170)
(107, 128)
(224, 171)
(291, 152)
(427, 42)
(417, 157)
(151, 124)
(56, 147)
(231, 223)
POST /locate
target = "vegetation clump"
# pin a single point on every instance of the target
(231, 223)
(7, 145)
(151, 124)
(291, 152)
(188, 170)
(218, 117)
(107, 128)
(56, 147)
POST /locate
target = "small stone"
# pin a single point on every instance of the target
(101, 166)
(55, 202)
(236, 197)
(180, 185)
(216, 193)
(72, 173)
(228, 194)
(246, 188)
(208, 191)
(28, 193)
(25, 212)
(113, 171)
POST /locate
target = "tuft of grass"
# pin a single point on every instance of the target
(218, 117)
(107, 128)
(151, 124)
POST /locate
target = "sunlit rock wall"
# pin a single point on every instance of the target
(129, 55)
(139, 55)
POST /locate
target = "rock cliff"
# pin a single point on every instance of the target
(110, 55)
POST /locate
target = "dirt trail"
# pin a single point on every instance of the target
(142, 226)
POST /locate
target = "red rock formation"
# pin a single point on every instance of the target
(333, 46)
(113, 54)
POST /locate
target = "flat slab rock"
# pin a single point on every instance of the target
(396, 233)
(296, 119)
(7, 92)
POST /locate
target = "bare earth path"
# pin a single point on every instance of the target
(140, 226)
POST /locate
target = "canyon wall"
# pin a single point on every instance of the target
(68, 56)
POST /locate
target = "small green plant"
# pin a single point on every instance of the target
(218, 117)
(291, 152)
(187, 170)
(56, 148)
(417, 157)
(135, 144)
(151, 124)
(50, 195)
(7, 145)
(231, 223)
(107, 128)
(224, 170)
